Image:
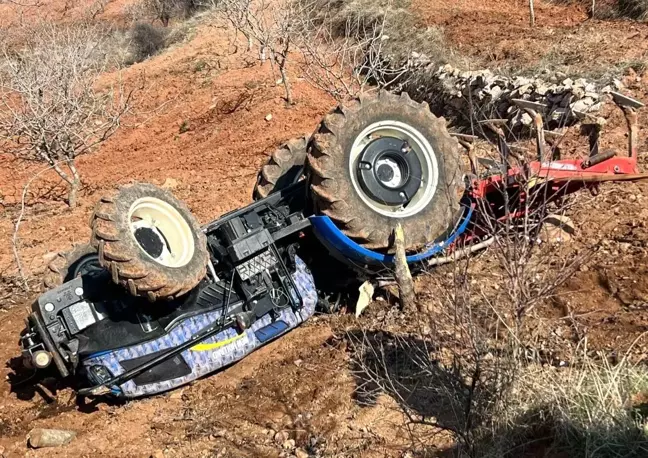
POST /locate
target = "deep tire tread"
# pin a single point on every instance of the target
(59, 267)
(128, 265)
(285, 160)
(331, 188)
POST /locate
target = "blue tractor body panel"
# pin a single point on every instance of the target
(345, 249)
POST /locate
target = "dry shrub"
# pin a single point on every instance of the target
(401, 29)
(351, 44)
(51, 108)
(612, 9)
(146, 41)
(166, 10)
(634, 9)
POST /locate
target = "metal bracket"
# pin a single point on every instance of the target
(630, 107)
(535, 110)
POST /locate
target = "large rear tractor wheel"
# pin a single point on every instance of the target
(385, 159)
(149, 241)
(285, 167)
(82, 260)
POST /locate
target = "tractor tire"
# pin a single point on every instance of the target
(360, 163)
(149, 242)
(69, 265)
(285, 167)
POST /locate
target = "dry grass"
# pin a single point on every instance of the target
(634, 9)
(403, 33)
(612, 9)
(592, 409)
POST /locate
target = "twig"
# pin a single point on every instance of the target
(14, 240)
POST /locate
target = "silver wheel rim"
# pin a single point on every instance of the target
(156, 223)
(420, 146)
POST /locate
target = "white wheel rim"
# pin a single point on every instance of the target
(420, 146)
(165, 228)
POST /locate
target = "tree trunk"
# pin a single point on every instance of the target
(284, 75)
(74, 185)
(286, 83)
(532, 13)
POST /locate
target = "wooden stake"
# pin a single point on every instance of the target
(403, 274)
(532, 13)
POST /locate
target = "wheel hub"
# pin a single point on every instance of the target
(388, 172)
(150, 241)
(161, 232)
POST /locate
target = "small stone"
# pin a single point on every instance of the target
(568, 82)
(157, 454)
(40, 437)
(48, 257)
(578, 92)
(170, 183)
(268, 117)
(526, 119)
(281, 437)
(289, 444)
(582, 105)
(632, 197)
(301, 453)
(596, 107)
(526, 89)
(176, 395)
(220, 433)
(298, 362)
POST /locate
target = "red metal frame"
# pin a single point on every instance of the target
(568, 174)
(562, 171)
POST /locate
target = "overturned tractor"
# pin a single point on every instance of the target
(154, 301)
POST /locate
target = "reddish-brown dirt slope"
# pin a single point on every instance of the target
(200, 120)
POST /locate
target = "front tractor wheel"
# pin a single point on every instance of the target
(149, 241)
(386, 159)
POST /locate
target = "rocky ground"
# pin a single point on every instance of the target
(298, 395)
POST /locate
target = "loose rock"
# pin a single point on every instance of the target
(40, 437)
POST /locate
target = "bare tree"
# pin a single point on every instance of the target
(271, 25)
(165, 10)
(53, 108)
(346, 57)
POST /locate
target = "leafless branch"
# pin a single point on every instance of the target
(52, 106)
